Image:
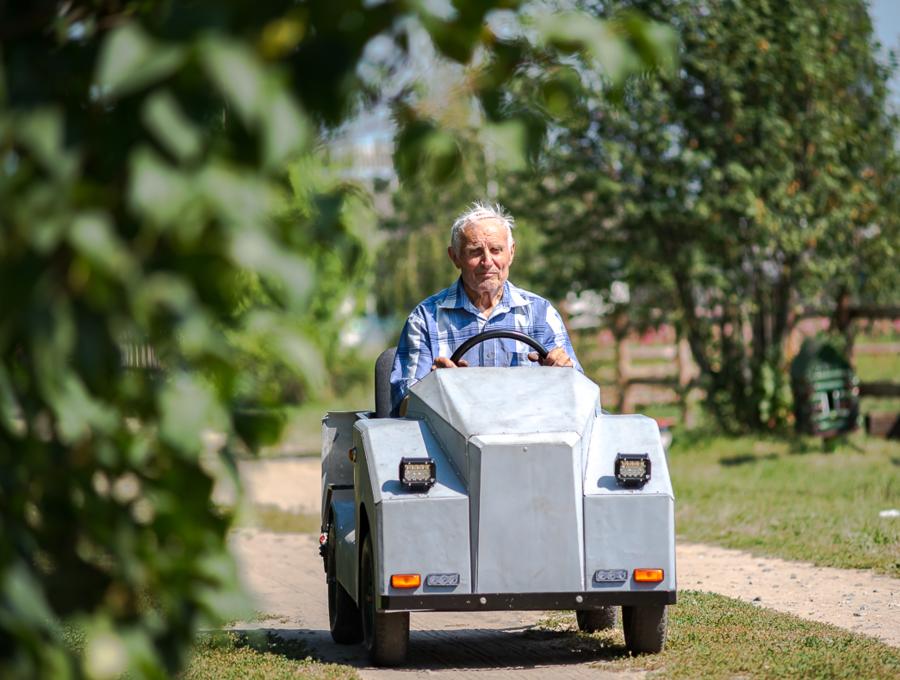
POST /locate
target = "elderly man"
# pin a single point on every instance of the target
(482, 299)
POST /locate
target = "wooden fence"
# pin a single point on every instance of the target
(657, 368)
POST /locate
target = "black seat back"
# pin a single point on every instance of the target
(383, 365)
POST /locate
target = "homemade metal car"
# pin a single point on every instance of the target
(500, 489)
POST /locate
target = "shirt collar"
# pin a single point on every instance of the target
(456, 298)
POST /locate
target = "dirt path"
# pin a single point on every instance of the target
(284, 573)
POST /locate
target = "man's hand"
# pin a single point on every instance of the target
(555, 357)
(444, 362)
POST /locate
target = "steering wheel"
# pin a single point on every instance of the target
(490, 335)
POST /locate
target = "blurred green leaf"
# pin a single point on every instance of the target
(239, 75)
(165, 119)
(130, 59)
(508, 142)
(158, 192)
(241, 200)
(10, 410)
(286, 132)
(77, 413)
(163, 292)
(41, 131)
(188, 408)
(25, 599)
(256, 251)
(92, 235)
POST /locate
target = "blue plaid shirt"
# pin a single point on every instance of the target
(444, 321)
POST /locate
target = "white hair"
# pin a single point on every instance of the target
(475, 213)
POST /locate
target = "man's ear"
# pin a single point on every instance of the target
(454, 258)
(512, 252)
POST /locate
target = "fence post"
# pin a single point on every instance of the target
(685, 375)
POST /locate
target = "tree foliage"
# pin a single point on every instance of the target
(160, 183)
(760, 176)
(503, 133)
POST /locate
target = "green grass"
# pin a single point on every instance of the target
(234, 656)
(789, 499)
(711, 636)
(878, 367)
(302, 434)
(272, 518)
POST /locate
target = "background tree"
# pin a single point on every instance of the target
(499, 135)
(160, 182)
(759, 176)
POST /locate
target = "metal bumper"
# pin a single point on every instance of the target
(524, 601)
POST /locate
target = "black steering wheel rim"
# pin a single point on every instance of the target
(491, 335)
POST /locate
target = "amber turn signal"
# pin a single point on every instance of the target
(648, 575)
(406, 580)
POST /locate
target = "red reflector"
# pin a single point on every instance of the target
(323, 538)
(648, 575)
(406, 580)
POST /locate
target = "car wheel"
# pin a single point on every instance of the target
(592, 620)
(343, 614)
(645, 629)
(386, 635)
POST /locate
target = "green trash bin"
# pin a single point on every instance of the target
(826, 391)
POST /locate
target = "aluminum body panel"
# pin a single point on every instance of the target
(527, 512)
(628, 528)
(518, 400)
(625, 434)
(629, 532)
(396, 438)
(343, 513)
(412, 532)
(337, 438)
(424, 536)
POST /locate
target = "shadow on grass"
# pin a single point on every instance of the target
(745, 458)
(472, 648)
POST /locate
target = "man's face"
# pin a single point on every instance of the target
(484, 256)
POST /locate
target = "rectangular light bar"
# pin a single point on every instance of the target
(417, 474)
(648, 575)
(632, 470)
(406, 580)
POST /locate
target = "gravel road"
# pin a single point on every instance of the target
(284, 573)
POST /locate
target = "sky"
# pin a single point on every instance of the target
(886, 18)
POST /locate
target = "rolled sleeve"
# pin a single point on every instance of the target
(413, 359)
(558, 336)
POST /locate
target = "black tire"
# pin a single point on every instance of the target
(343, 614)
(645, 629)
(592, 620)
(386, 635)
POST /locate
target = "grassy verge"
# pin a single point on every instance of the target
(302, 434)
(232, 656)
(789, 499)
(272, 518)
(711, 636)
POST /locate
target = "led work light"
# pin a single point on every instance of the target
(632, 469)
(442, 580)
(417, 474)
(610, 576)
